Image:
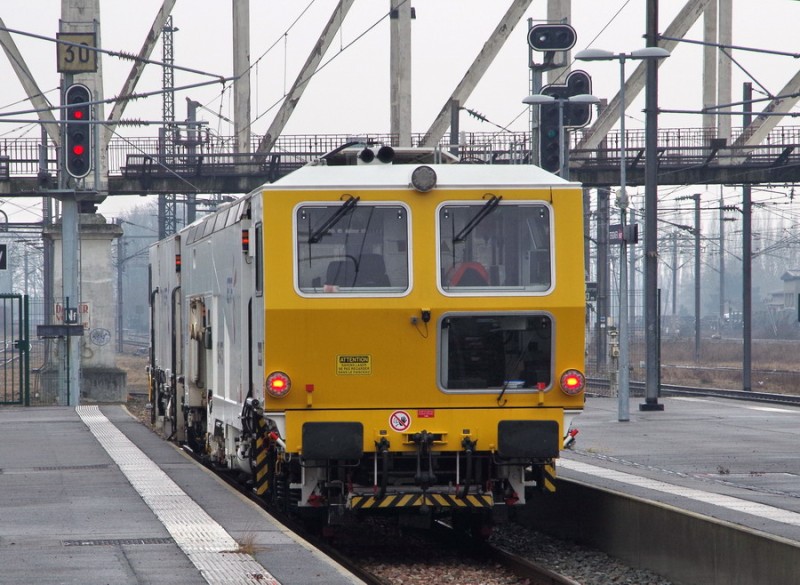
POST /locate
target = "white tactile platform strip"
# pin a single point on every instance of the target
(723, 501)
(207, 544)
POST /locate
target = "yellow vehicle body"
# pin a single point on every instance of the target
(308, 338)
(385, 336)
(375, 360)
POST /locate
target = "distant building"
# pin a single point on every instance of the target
(791, 289)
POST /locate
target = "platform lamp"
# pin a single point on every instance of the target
(622, 202)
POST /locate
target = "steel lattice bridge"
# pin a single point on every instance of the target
(209, 165)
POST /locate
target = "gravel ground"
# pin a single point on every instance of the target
(414, 558)
(584, 565)
(138, 407)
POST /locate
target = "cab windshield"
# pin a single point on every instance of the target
(495, 246)
(352, 248)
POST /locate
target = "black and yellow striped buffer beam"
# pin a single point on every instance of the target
(417, 499)
(260, 465)
(549, 478)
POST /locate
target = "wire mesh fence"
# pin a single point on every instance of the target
(48, 359)
(602, 337)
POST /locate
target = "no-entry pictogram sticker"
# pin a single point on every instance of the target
(400, 420)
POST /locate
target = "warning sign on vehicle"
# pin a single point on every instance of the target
(353, 365)
(400, 420)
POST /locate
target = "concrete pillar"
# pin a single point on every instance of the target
(400, 67)
(241, 70)
(559, 11)
(101, 380)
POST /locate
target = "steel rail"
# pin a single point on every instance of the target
(637, 388)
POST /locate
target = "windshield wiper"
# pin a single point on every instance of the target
(487, 208)
(513, 368)
(337, 215)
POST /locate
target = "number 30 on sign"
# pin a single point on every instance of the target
(76, 53)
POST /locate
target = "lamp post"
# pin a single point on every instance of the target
(622, 201)
(539, 99)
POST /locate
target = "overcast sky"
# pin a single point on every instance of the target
(351, 93)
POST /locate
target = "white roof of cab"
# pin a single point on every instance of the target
(378, 175)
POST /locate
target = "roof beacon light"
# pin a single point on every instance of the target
(423, 178)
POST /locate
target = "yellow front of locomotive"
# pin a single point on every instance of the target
(421, 347)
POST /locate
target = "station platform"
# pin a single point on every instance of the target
(90, 496)
(730, 460)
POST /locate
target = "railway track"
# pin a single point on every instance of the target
(393, 556)
(637, 389)
(413, 550)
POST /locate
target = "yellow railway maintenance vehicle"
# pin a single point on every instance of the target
(374, 335)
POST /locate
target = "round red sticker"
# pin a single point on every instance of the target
(400, 420)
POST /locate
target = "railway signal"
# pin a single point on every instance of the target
(551, 37)
(549, 138)
(575, 115)
(78, 144)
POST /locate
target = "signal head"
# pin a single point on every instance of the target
(552, 37)
(78, 148)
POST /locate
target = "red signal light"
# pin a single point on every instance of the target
(77, 114)
(78, 149)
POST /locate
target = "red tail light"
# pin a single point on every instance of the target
(245, 240)
(277, 384)
(572, 382)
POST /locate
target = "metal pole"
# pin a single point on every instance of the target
(631, 273)
(47, 253)
(747, 259)
(674, 274)
(622, 201)
(563, 171)
(697, 324)
(69, 266)
(653, 378)
(623, 413)
(120, 295)
(602, 275)
(721, 260)
(26, 359)
(747, 285)
(25, 275)
(455, 108)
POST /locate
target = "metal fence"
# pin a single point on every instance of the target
(23, 153)
(599, 363)
(48, 360)
(13, 349)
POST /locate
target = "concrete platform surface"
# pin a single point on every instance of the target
(93, 497)
(731, 460)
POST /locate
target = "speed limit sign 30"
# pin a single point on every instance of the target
(76, 53)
